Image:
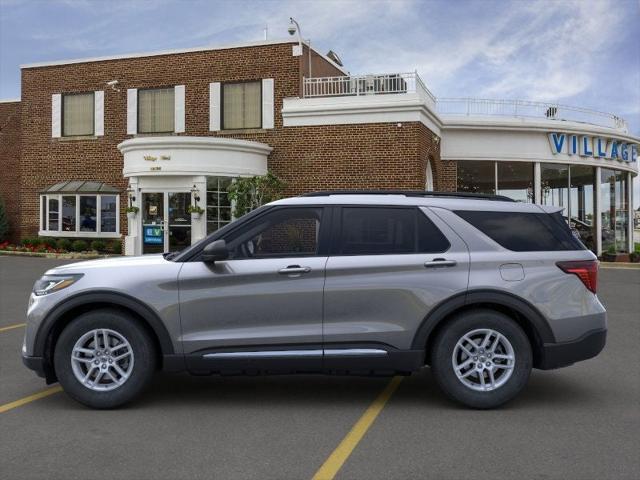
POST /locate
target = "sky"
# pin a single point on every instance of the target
(584, 53)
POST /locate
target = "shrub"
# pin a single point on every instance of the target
(28, 241)
(98, 245)
(47, 242)
(4, 222)
(64, 244)
(116, 247)
(79, 246)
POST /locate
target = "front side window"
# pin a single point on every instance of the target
(380, 230)
(78, 114)
(156, 110)
(242, 105)
(287, 232)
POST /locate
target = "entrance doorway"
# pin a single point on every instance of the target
(166, 224)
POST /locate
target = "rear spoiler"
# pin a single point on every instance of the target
(551, 208)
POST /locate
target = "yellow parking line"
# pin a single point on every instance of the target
(332, 465)
(31, 398)
(11, 327)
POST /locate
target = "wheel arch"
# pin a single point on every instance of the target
(522, 312)
(55, 322)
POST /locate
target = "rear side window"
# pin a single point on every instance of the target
(524, 232)
(379, 230)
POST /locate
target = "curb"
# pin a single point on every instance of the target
(60, 256)
(621, 265)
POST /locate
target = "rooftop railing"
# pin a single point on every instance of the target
(528, 109)
(401, 83)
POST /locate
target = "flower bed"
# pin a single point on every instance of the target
(47, 245)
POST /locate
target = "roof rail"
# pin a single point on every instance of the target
(411, 193)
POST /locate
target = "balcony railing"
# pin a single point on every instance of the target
(357, 85)
(399, 83)
(528, 109)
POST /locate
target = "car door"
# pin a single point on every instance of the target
(388, 267)
(262, 307)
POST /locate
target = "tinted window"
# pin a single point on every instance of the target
(281, 233)
(372, 231)
(524, 232)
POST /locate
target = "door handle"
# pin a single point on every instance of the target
(294, 269)
(440, 263)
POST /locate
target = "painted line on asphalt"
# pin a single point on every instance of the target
(11, 327)
(31, 398)
(334, 463)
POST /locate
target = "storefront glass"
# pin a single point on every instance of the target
(581, 204)
(554, 183)
(614, 210)
(477, 176)
(218, 203)
(515, 180)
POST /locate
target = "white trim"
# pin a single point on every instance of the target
(268, 103)
(179, 100)
(56, 115)
(214, 107)
(171, 52)
(9, 100)
(132, 111)
(63, 234)
(98, 112)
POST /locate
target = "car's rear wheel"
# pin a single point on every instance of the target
(481, 358)
(104, 358)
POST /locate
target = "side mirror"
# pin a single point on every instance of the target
(215, 251)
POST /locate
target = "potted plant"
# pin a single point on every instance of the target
(195, 211)
(131, 212)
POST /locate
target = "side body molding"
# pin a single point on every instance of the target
(105, 298)
(480, 297)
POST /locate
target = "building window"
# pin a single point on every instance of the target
(78, 114)
(218, 203)
(581, 204)
(614, 210)
(477, 176)
(515, 180)
(554, 180)
(241, 105)
(156, 110)
(80, 215)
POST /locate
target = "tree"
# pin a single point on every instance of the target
(249, 193)
(4, 222)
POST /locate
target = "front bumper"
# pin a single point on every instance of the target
(556, 355)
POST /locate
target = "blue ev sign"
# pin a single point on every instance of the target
(589, 146)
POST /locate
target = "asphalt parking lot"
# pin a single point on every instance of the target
(581, 422)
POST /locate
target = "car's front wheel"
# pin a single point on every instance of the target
(104, 358)
(481, 358)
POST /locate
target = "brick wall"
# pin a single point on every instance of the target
(10, 161)
(307, 158)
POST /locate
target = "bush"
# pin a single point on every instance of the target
(4, 222)
(116, 247)
(64, 244)
(28, 241)
(98, 245)
(79, 246)
(47, 242)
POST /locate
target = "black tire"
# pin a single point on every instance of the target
(443, 349)
(144, 356)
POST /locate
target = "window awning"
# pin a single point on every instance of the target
(81, 186)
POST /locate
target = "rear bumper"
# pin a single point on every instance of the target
(556, 355)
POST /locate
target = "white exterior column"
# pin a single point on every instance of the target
(598, 213)
(132, 243)
(630, 211)
(199, 226)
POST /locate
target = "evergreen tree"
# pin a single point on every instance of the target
(4, 222)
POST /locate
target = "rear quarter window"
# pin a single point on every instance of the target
(524, 232)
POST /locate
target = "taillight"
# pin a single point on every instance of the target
(585, 270)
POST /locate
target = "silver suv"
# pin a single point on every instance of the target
(479, 288)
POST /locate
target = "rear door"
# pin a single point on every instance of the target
(388, 267)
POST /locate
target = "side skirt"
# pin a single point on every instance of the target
(335, 359)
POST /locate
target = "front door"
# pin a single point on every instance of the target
(166, 225)
(261, 308)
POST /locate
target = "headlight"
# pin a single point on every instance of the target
(52, 283)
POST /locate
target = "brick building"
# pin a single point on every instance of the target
(163, 130)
